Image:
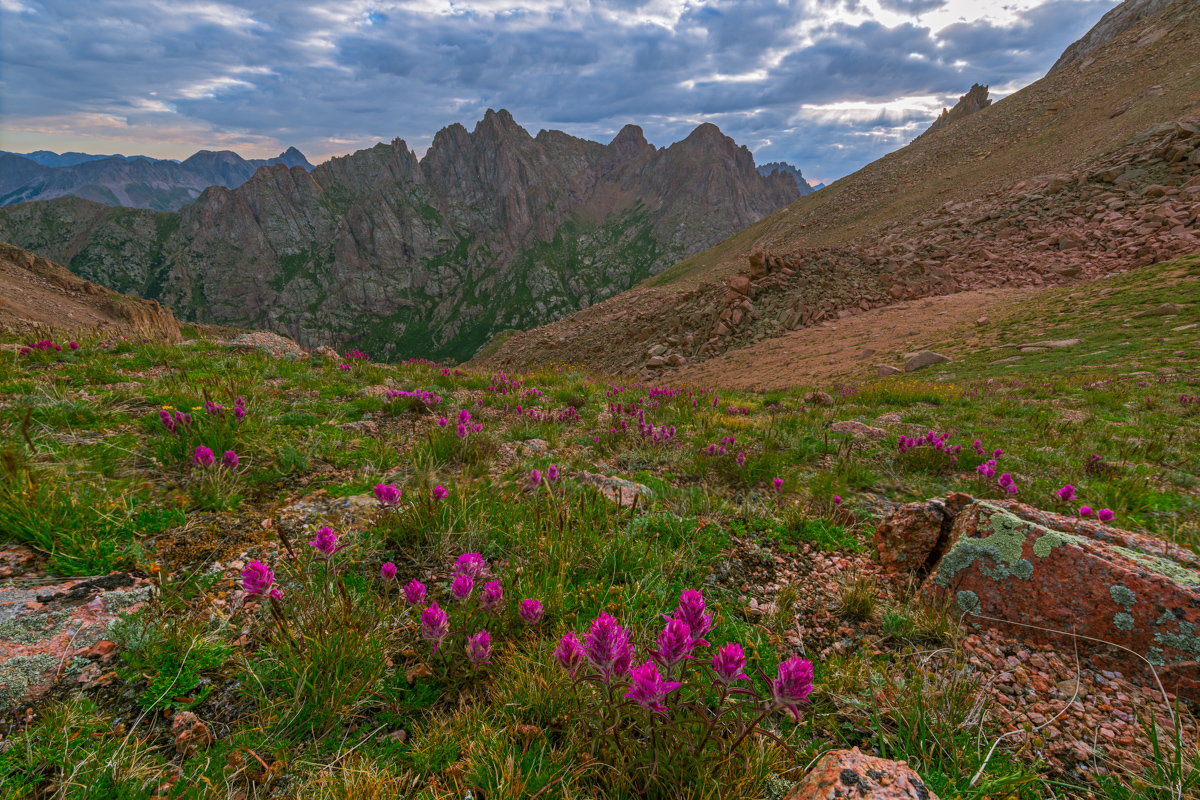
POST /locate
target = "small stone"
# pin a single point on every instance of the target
(1184, 327)
(981, 321)
(865, 354)
(1008, 360)
(883, 370)
(740, 284)
(656, 361)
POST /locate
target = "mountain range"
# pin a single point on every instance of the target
(493, 229)
(135, 182)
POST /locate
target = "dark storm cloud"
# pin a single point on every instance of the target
(802, 81)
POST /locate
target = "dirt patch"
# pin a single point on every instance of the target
(946, 324)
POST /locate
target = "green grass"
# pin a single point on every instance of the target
(309, 695)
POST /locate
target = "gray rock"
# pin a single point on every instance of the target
(886, 369)
(924, 359)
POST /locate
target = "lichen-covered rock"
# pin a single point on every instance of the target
(49, 632)
(618, 490)
(1042, 584)
(848, 774)
(913, 535)
(858, 430)
(907, 537)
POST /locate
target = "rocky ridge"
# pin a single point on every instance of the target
(1134, 207)
(971, 102)
(493, 229)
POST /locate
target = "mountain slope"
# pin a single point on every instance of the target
(493, 229)
(852, 244)
(132, 182)
(37, 296)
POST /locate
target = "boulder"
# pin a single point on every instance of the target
(883, 370)
(326, 352)
(656, 361)
(818, 399)
(1042, 581)
(618, 490)
(924, 359)
(740, 284)
(858, 430)
(908, 538)
(853, 774)
(1165, 310)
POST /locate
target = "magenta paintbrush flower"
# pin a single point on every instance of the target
(326, 541)
(256, 578)
(531, 611)
(1066, 493)
(388, 494)
(729, 664)
(535, 478)
(435, 625)
(793, 685)
(471, 564)
(230, 459)
(462, 587)
(552, 473)
(479, 648)
(778, 484)
(203, 456)
(1005, 480)
(440, 493)
(388, 571)
(1105, 515)
(569, 653)
(414, 592)
(607, 646)
(648, 689)
(675, 644)
(491, 597)
(691, 612)
(1085, 511)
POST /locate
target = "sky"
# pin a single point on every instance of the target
(827, 85)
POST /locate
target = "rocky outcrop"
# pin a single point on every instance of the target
(133, 182)
(969, 103)
(493, 229)
(1128, 601)
(852, 774)
(782, 166)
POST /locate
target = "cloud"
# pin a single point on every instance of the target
(826, 84)
(912, 6)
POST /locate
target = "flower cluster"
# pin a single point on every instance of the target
(932, 439)
(608, 676)
(418, 395)
(1067, 494)
(472, 596)
(45, 345)
(357, 355)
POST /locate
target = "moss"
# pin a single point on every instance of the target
(1123, 621)
(1162, 566)
(1122, 596)
(968, 602)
